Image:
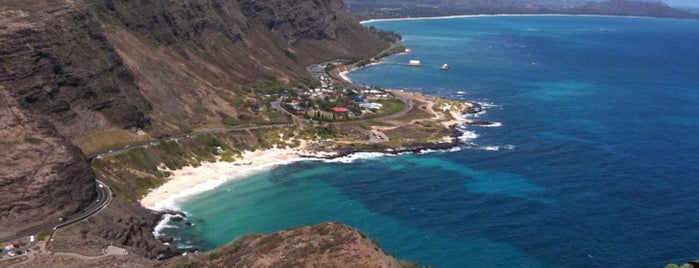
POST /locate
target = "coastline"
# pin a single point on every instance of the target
(190, 181)
(501, 15)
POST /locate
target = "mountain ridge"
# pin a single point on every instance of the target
(416, 8)
(105, 72)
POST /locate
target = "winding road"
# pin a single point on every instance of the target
(104, 193)
(104, 196)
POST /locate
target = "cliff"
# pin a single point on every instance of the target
(190, 58)
(43, 177)
(104, 72)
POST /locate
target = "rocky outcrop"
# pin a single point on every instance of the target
(324, 245)
(43, 176)
(58, 64)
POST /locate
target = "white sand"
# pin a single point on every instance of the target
(343, 74)
(194, 180)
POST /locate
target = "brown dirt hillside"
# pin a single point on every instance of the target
(191, 57)
(324, 245)
(108, 72)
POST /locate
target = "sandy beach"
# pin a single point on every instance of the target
(194, 180)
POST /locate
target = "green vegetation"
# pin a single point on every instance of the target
(325, 133)
(186, 129)
(43, 235)
(389, 36)
(289, 55)
(33, 140)
(108, 138)
(270, 86)
(391, 106)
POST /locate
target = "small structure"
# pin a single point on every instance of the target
(338, 109)
(342, 111)
(371, 105)
(414, 63)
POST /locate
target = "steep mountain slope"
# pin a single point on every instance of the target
(42, 176)
(59, 78)
(190, 57)
(74, 72)
(58, 64)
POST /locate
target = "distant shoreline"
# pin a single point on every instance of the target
(503, 15)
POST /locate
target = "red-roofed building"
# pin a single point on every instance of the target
(338, 109)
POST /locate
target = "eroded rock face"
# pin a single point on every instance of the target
(324, 245)
(42, 176)
(323, 19)
(58, 63)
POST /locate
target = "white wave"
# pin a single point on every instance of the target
(428, 151)
(487, 104)
(493, 124)
(355, 156)
(476, 115)
(162, 224)
(497, 148)
(467, 135)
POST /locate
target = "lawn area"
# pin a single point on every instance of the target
(108, 138)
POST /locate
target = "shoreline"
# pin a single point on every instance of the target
(343, 74)
(502, 15)
(190, 181)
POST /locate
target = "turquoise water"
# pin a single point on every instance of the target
(595, 163)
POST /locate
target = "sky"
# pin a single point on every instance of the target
(683, 3)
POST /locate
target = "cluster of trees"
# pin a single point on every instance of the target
(386, 35)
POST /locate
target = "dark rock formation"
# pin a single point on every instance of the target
(43, 177)
(58, 64)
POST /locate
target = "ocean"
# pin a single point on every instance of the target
(594, 162)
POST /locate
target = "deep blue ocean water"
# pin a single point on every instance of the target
(596, 163)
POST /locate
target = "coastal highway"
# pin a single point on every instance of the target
(144, 144)
(104, 193)
(104, 196)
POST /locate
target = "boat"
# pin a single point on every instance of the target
(445, 67)
(414, 63)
